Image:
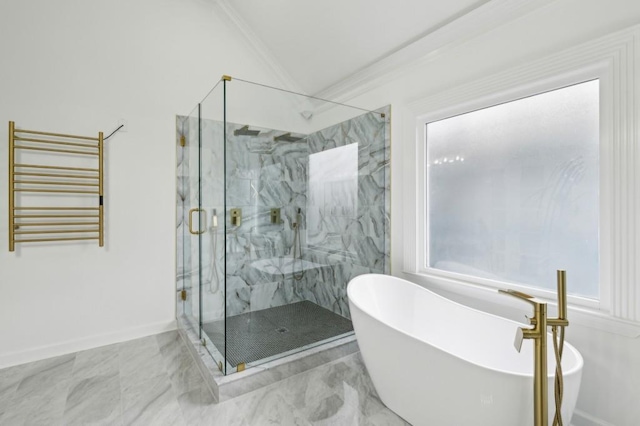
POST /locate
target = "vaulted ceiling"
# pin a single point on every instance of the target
(318, 44)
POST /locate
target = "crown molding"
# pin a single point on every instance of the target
(454, 33)
(284, 79)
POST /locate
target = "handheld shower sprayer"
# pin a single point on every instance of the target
(297, 246)
(213, 232)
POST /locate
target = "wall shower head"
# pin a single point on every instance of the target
(286, 138)
(244, 131)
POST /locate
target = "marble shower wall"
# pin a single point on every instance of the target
(348, 214)
(338, 177)
(262, 174)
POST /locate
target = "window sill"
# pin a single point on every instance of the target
(492, 302)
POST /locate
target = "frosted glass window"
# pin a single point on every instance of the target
(513, 190)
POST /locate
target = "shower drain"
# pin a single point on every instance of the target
(282, 330)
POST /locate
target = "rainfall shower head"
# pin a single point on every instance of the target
(286, 138)
(244, 131)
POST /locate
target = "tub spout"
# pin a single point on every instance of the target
(539, 335)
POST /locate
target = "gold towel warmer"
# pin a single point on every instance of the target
(69, 181)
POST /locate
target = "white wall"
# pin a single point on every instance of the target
(612, 362)
(76, 66)
(79, 66)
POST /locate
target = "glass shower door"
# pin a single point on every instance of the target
(212, 237)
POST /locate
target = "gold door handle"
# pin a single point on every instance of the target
(191, 221)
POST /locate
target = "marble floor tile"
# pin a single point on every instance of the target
(38, 405)
(95, 400)
(153, 381)
(102, 361)
(10, 378)
(270, 408)
(179, 365)
(194, 405)
(199, 409)
(140, 360)
(46, 372)
(151, 402)
(40, 397)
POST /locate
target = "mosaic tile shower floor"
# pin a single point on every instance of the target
(261, 334)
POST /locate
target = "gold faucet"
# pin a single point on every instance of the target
(538, 333)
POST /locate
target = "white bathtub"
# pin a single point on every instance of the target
(436, 362)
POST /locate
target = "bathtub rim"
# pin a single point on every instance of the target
(576, 369)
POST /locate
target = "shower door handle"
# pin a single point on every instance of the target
(204, 228)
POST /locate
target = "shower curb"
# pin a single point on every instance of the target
(227, 387)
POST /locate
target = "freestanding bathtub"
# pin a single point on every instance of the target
(436, 362)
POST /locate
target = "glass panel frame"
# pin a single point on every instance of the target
(188, 264)
(257, 175)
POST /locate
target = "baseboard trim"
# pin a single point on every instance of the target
(35, 354)
(580, 418)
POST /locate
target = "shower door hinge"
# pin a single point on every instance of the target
(241, 366)
(183, 295)
(183, 140)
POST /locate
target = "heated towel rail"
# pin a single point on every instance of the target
(56, 182)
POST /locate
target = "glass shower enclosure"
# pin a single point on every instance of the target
(282, 199)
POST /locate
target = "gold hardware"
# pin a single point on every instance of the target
(236, 217)
(183, 140)
(11, 186)
(558, 342)
(25, 183)
(40, 216)
(56, 208)
(539, 334)
(59, 135)
(61, 175)
(59, 231)
(200, 218)
(37, 166)
(562, 321)
(57, 223)
(183, 295)
(56, 190)
(101, 188)
(226, 77)
(275, 215)
(220, 365)
(51, 182)
(241, 367)
(204, 342)
(42, 240)
(84, 145)
(383, 115)
(67, 151)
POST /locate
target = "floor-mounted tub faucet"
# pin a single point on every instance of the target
(538, 333)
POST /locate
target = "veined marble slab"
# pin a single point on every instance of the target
(284, 265)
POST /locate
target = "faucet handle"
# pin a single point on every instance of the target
(517, 343)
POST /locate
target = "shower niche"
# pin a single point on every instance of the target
(281, 200)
